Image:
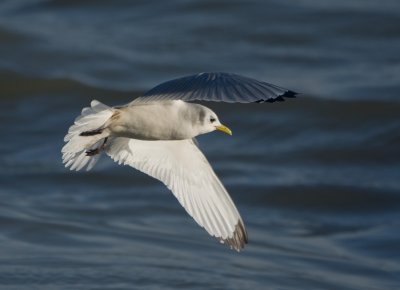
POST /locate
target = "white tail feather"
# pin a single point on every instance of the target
(91, 118)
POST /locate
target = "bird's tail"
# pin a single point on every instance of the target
(86, 137)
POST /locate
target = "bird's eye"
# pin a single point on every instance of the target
(212, 120)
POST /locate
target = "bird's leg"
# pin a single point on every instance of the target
(91, 133)
(97, 150)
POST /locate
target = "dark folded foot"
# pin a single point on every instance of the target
(96, 151)
(91, 133)
(93, 152)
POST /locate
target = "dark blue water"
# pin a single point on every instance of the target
(316, 179)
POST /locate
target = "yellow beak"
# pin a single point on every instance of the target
(224, 129)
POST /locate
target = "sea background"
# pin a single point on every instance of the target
(316, 178)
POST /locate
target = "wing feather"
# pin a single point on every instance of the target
(217, 87)
(182, 167)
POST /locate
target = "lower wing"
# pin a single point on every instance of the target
(182, 167)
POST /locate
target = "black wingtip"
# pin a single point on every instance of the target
(280, 98)
(289, 94)
(239, 238)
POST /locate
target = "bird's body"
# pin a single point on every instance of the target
(147, 121)
(154, 134)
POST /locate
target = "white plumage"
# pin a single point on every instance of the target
(182, 167)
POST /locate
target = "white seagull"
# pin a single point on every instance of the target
(155, 134)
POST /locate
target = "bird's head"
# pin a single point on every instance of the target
(208, 121)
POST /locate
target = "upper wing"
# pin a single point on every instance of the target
(217, 87)
(182, 167)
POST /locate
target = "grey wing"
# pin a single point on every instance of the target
(218, 87)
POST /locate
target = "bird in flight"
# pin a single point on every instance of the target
(155, 134)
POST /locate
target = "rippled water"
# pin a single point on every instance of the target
(316, 179)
